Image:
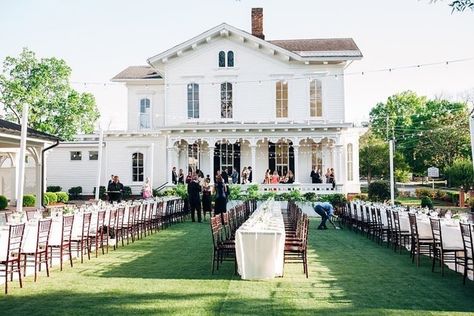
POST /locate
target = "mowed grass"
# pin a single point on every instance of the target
(169, 273)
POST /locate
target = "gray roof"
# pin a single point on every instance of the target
(137, 72)
(15, 129)
(327, 47)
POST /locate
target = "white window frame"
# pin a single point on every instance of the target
(133, 168)
(316, 98)
(281, 103)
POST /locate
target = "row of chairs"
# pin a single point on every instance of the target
(141, 220)
(223, 228)
(296, 240)
(368, 221)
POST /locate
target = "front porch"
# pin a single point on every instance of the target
(296, 148)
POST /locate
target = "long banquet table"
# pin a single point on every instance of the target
(260, 243)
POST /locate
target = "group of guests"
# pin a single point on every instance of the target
(316, 176)
(229, 175)
(200, 192)
(274, 177)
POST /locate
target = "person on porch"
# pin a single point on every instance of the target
(181, 177)
(275, 178)
(194, 190)
(315, 175)
(174, 176)
(235, 176)
(250, 177)
(290, 177)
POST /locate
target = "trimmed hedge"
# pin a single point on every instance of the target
(3, 202)
(102, 190)
(127, 192)
(426, 202)
(379, 191)
(52, 197)
(63, 197)
(29, 200)
(75, 192)
(53, 188)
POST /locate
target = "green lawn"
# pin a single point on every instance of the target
(169, 273)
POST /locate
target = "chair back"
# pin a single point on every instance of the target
(30, 214)
(100, 220)
(8, 216)
(68, 221)
(396, 221)
(389, 219)
(120, 215)
(15, 240)
(86, 224)
(413, 226)
(466, 233)
(42, 239)
(436, 230)
(112, 219)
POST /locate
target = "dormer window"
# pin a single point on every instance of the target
(223, 58)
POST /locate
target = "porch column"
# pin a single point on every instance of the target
(296, 149)
(170, 164)
(211, 163)
(152, 164)
(333, 157)
(38, 184)
(253, 150)
(338, 171)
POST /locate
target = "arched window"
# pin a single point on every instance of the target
(281, 99)
(350, 172)
(137, 167)
(315, 98)
(230, 59)
(145, 113)
(226, 100)
(193, 100)
(317, 156)
(221, 59)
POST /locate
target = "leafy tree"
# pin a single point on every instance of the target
(461, 173)
(43, 84)
(460, 5)
(426, 132)
(374, 158)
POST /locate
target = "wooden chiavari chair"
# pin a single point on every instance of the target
(40, 251)
(442, 253)
(64, 246)
(11, 262)
(80, 243)
(466, 233)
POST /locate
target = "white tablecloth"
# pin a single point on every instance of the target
(260, 243)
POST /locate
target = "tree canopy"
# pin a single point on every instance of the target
(426, 132)
(43, 84)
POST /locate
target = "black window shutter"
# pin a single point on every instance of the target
(291, 152)
(271, 156)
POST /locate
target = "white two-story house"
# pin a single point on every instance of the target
(227, 99)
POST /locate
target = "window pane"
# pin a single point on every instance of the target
(93, 155)
(230, 59)
(76, 155)
(221, 59)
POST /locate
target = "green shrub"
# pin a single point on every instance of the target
(158, 193)
(235, 192)
(127, 192)
(379, 191)
(75, 192)
(102, 195)
(45, 199)
(169, 192)
(181, 190)
(53, 188)
(52, 197)
(268, 195)
(310, 196)
(283, 196)
(3, 202)
(252, 192)
(402, 176)
(440, 195)
(426, 202)
(460, 173)
(337, 200)
(421, 192)
(63, 197)
(29, 200)
(361, 196)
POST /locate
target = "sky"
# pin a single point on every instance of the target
(98, 39)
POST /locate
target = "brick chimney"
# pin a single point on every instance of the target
(257, 22)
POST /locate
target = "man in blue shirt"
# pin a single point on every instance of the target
(325, 210)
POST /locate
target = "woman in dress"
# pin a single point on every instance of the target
(181, 176)
(327, 175)
(284, 178)
(221, 196)
(245, 175)
(332, 178)
(268, 177)
(275, 178)
(146, 189)
(206, 197)
(291, 177)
